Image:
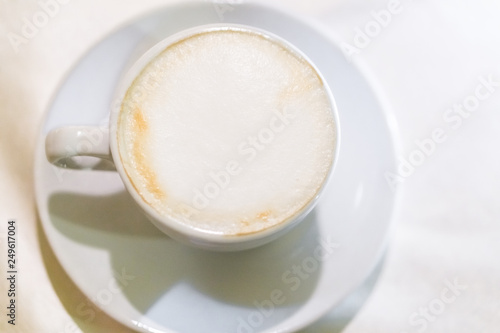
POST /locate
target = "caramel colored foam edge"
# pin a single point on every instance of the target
(139, 130)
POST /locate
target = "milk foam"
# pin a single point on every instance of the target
(227, 132)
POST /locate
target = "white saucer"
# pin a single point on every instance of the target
(97, 233)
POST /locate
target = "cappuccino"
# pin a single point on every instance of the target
(227, 131)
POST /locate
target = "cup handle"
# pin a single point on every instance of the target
(67, 147)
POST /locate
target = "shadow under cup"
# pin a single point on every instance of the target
(226, 136)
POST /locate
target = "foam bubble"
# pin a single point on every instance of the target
(227, 132)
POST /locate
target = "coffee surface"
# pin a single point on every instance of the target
(227, 131)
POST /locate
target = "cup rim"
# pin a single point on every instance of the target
(179, 230)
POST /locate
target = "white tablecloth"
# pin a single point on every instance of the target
(438, 64)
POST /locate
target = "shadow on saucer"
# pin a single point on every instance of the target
(86, 316)
(166, 272)
(116, 213)
(338, 319)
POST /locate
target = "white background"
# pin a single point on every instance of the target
(429, 57)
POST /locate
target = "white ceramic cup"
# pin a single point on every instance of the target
(70, 147)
